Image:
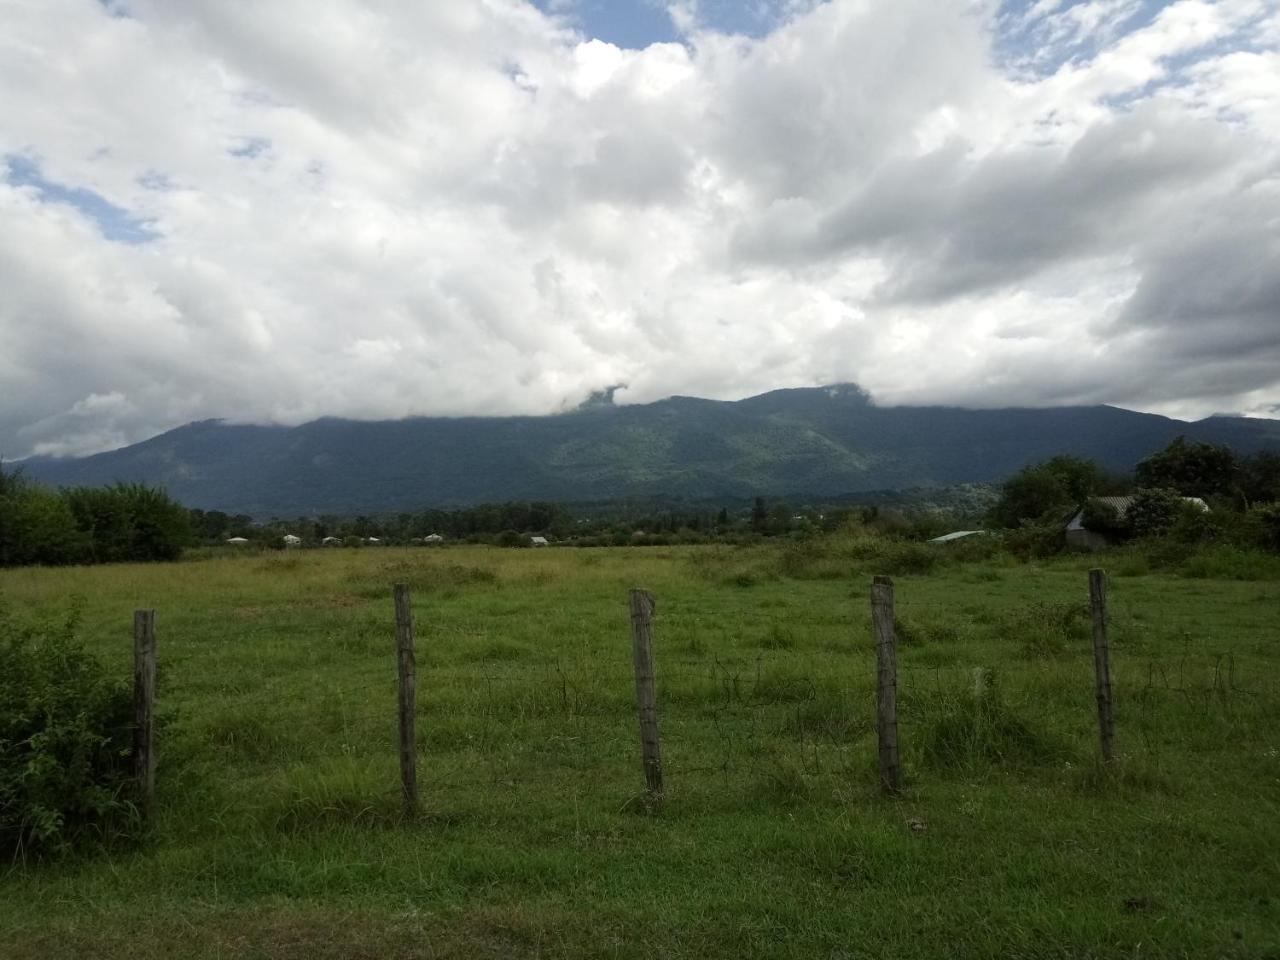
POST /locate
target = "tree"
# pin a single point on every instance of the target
(36, 525)
(1043, 490)
(759, 515)
(1260, 478)
(130, 522)
(1191, 469)
(1153, 512)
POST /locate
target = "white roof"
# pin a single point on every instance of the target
(948, 537)
(537, 539)
(237, 540)
(290, 538)
(1121, 506)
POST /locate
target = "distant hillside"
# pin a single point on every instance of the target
(821, 441)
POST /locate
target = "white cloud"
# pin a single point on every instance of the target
(394, 208)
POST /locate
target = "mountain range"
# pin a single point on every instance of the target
(823, 441)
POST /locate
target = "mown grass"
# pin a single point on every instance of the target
(278, 830)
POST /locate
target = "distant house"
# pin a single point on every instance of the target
(1079, 538)
(237, 541)
(291, 541)
(433, 538)
(373, 541)
(331, 542)
(958, 535)
(537, 541)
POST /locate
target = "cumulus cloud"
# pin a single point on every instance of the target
(393, 208)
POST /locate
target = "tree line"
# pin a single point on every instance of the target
(124, 522)
(1242, 493)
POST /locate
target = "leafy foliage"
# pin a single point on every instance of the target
(1049, 490)
(130, 522)
(36, 525)
(65, 735)
(1101, 517)
(1191, 469)
(1153, 512)
(85, 525)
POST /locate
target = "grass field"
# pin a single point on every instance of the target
(278, 829)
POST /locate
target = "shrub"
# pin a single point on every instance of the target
(1262, 526)
(65, 735)
(1101, 517)
(1034, 540)
(130, 522)
(1231, 563)
(1153, 512)
(36, 525)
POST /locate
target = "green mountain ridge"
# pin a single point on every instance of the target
(824, 441)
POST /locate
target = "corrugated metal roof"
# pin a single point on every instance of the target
(948, 537)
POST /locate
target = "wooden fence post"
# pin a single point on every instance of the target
(1102, 662)
(407, 666)
(144, 695)
(886, 683)
(646, 696)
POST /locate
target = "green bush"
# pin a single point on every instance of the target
(1230, 563)
(1262, 526)
(130, 522)
(1035, 540)
(66, 731)
(1153, 512)
(36, 525)
(1101, 517)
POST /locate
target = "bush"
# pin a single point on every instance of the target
(1036, 540)
(1262, 525)
(130, 522)
(511, 538)
(1101, 517)
(65, 743)
(37, 526)
(1153, 512)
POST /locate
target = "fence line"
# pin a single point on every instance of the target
(724, 714)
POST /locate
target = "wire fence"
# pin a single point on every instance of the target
(794, 717)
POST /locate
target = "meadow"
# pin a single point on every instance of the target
(278, 829)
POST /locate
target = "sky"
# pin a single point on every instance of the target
(272, 212)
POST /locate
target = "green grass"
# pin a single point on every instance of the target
(278, 830)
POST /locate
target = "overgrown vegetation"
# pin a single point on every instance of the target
(124, 522)
(65, 740)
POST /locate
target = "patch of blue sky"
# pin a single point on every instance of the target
(636, 24)
(250, 147)
(1039, 36)
(116, 8)
(115, 223)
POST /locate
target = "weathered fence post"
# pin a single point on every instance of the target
(646, 696)
(144, 695)
(1102, 662)
(886, 683)
(406, 663)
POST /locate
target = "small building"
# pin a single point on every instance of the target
(1079, 538)
(373, 541)
(331, 542)
(538, 541)
(291, 541)
(238, 541)
(958, 535)
(433, 538)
